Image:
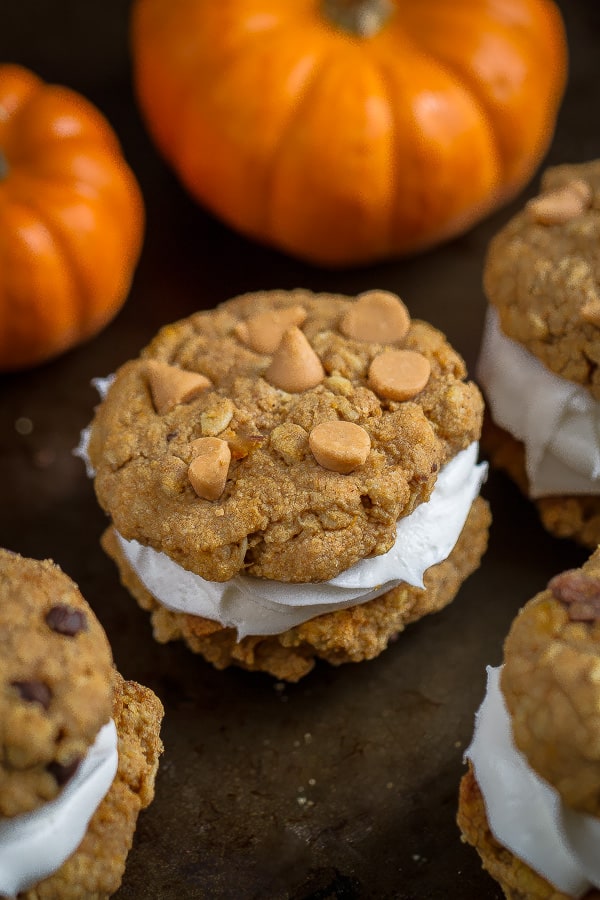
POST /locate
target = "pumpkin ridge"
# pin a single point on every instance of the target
(57, 340)
(300, 100)
(343, 44)
(77, 298)
(460, 77)
(385, 61)
(258, 227)
(475, 88)
(191, 74)
(474, 94)
(394, 186)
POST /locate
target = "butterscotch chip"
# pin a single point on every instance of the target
(208, 470)
(295, 366)
(286, 517)
(377, 316)
(263, 332)
(170, 385)
(339, 446)
(560, 205)
(399, 374)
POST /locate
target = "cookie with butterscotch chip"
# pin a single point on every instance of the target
(530, 802)
(307, 427)
(541, 349)
(79, 745)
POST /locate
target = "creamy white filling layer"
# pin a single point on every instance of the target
(260, 606)
(34, 845)
(524, 812)
(557, 421)
(256, 606)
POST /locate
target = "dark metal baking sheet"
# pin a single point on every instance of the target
(345, 785)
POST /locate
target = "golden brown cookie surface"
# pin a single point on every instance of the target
(543, 270)
(56, 681)
(96, 868)
(551, 684)
(280, 514)
(517, 880)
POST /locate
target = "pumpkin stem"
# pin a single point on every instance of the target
(363, 18)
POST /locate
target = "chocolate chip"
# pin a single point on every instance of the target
(64, 772)
(172, 434)
(65, 620)
(34, 692)
(579, 592)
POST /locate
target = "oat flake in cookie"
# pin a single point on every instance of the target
(290, 476)
(539, 364)
(530, 801)
(79, 746)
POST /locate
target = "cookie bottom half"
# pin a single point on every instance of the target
(566, 516)
(95, 870)
(517, 880)
(349, 635)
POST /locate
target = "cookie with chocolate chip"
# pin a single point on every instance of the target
(550, 684)
(56, 677)
(70, 726)
(280, 437)
(539, 366)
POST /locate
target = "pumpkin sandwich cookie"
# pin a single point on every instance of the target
(530, 802)
(539, 364)
(79, 746)
(291, 476)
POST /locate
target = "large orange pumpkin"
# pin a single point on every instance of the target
(348, 131)
(71, 220)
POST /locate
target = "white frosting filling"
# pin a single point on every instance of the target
(37, 843)
(261, 606)
(256, 606)
(557, 421)
(524, 812)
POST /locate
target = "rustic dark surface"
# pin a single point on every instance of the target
(345, 785)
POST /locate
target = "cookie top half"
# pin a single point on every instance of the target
(56, 681)
(542, 274)
(282, 434)
(551, 683)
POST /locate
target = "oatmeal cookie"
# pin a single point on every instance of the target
(96, 868)
(280, 514)
(56, 676)
(539, 361)
(542, 274)
(71, 729)
(272, 465)
(517, 880)
(550, 684)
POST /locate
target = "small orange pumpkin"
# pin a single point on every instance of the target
(71, 220)
(349, 131)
